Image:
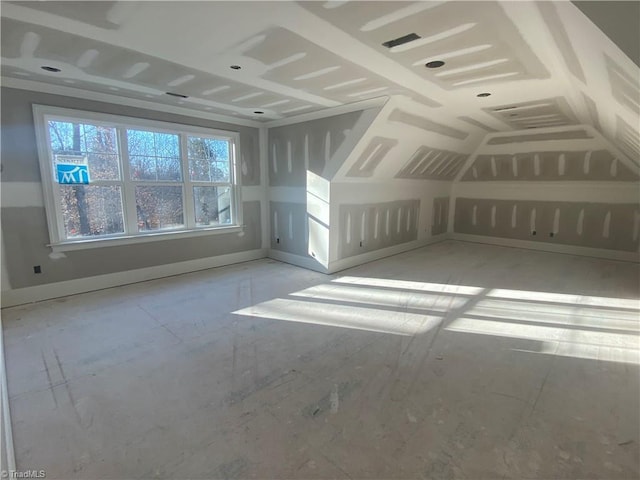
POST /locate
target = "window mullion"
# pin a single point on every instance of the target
(128, 190)
(235, 187)
(189, 210)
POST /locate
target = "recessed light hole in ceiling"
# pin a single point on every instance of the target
(177, 95)
(50, 69)
(235, 67)
(484, 94)
(258, 112)
(434, 64)
(455, 53)
(401, 40)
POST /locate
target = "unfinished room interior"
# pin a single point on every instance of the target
(320, 240)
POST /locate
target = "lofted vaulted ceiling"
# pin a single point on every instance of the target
(543, 63)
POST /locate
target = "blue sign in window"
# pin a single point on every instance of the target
(72, 173)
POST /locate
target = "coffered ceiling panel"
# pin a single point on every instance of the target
(548, 112)
(493, 65)
(476, 40)
(99, 13)
(102, 67)
(292, 60)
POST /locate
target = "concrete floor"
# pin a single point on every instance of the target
(452, 361)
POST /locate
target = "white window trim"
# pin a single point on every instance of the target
(54, 219)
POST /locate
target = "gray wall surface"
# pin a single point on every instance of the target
(599, 165)
(25, 228)
(312, 143)
(26, 247)
(440, 215)
(364, 228)
(289, 227)
(597, 225)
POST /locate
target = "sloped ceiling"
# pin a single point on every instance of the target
(543, 63)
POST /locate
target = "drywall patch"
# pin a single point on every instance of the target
(292, 60)
(310, 143)
(594, 225)
(377, 149)
(289, 227)
(444, 28)
(598, 165)
(364, 228)
(546, 112)
(440, 215)
(540, 137)
(249, 160)
(592, 108)
(423, 123)
(97, 76)
(433, 163)
(628, 140)
(624, 87)
(550, 15)
(476, 123)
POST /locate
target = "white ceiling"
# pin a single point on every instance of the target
(300, 57)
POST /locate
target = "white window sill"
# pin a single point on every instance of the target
(143, 238)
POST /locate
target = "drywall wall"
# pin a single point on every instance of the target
(316, 145)
(369, 195)
(24, 224)
(288, 230)
(303, 157)
(590, 165)
(367, 227)
(376, 219)
(565, 186)
(612, 226)
(391, 194)
(440, 215)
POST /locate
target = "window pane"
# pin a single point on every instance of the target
(169, 169)
(99, 144)
(159, 208)
(208, 159)
(154, 156)
(142, 167)
(91, 210)
(212, 205)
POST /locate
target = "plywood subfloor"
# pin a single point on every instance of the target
(452, 361)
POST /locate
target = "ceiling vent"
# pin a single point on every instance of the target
(401, 40)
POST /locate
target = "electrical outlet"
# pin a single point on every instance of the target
(277, 240)
(533, 233)
(37, 269)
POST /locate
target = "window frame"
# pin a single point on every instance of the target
(55, 222)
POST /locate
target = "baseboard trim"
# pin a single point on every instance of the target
(20, 296)
(297, 260)
(356, 260)
(633, 257)
(7, 453)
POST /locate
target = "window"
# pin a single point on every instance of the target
(111, 179)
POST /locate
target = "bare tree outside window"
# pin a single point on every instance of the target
(90, 210)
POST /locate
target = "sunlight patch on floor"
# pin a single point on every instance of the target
(578, 326)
